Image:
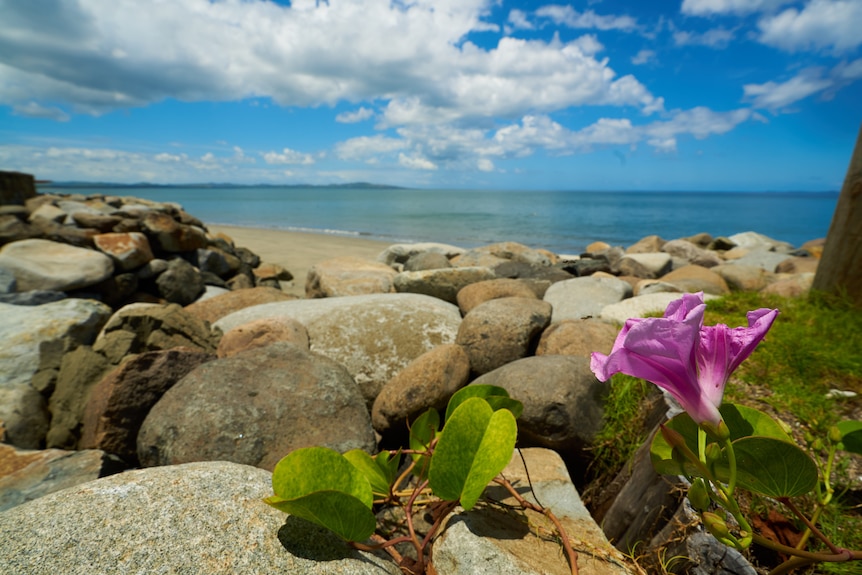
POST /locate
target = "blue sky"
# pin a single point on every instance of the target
(590, 94)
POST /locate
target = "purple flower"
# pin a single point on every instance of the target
(681, 356)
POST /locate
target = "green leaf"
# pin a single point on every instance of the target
(497, 398)
(742, 422)
(375, 469)
(422, 433)
(475, 446)
(851, 436)
(661, 453)
(746, 421)
(320, 485)
(772, 467)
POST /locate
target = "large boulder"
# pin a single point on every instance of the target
(137, 328)
(27, 474)
(427, 382)
(645, 265)
(347, 275)
(256, 407)
(47, 265)
(194, 519)
(502, 330)
(397, 255)
(33, 341)
(442, 283)
(224, 304)
(80, 370)
(563, 400)
(691, 253)
(491, 540)
(262, 332)
(169, 235)
(373, 336)
(578, 337)
(579, 298)
(480, 292)
(119, 402)
(181, 283)
(130, 250)
(495, 254)
(692, 279)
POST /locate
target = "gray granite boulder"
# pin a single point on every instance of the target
(641, 306)
(397, 255)
(585, 297)
(44, 264)
(491, 540)
(427, 382)
(347, 275)
(692, 279)
(33, 341)
(373, 336)
(80, 370)
(645, 265)
(762, 258)
(757, 241)
(691, 253)
(426, 261)
(443, 283)
(194, 519)
(563, 401)
(256, 407)
(502, 330)
(743, 277)
(181, 283)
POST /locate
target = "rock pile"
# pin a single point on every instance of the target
(107, 345)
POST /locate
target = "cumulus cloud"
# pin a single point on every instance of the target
(287, 156)
(100, 56)
(368, 148)
(820, 25)
(416, 162)
(359, 115)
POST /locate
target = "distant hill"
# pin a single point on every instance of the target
(113, 185)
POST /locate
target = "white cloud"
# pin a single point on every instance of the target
(359, 115)
(777, 95)
(519, 21)
(643, 57)
(714, 38)
(568, 16)
(36, 110)
(485, 165)
(710, 7)
(301, 55)
(368, 148)
(821, 25)
(287, 156)
(416, 162)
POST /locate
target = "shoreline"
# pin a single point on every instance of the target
(297, 252)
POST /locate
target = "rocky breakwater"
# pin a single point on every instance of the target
(205, 397)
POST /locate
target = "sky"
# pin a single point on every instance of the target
(739, 95)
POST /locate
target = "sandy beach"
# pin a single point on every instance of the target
(298, 251)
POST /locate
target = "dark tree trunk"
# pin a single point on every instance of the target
(840, 268)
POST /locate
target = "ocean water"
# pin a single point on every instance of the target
(563, 222)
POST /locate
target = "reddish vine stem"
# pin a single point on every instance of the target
(571, 554)
(811, 527)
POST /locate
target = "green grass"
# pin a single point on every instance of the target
(814, 345)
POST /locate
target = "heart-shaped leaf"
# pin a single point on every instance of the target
(320, 485)
(772, 467)
(422, 433)
(377, 470)
(851, 436)
(476, 444)
(742, 422)
(497, 398)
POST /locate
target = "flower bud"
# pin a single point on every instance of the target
(715, 525)
(698, 495)
(835, 435)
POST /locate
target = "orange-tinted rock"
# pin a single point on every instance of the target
(130, 250)
(219, 306)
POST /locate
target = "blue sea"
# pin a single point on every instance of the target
(561, 221)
